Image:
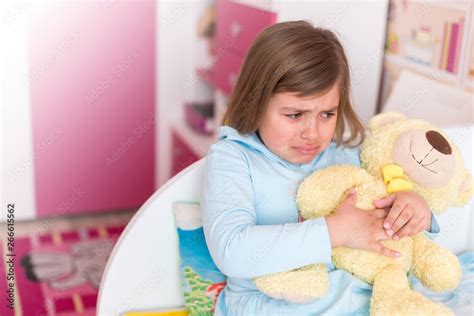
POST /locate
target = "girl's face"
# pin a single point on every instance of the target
(297, 129)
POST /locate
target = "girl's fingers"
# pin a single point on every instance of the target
(381, 249)
(381, 214)
(382, 236)
(419, 228)
(351, 191)
(392, 217)
(385, 202)
(409, 228)
(379, 232)
(405, 216)
(350, 199)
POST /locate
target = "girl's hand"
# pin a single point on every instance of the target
(356, 228)
(409, 214)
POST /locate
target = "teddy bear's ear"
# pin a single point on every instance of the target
(465, 189)
(383, 119)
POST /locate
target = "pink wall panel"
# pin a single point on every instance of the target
(92, 75)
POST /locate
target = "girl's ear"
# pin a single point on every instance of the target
(384, 119)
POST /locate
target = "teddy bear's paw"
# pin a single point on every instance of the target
(441, 278)
(299, 286)
(405, 303)
(437, 268)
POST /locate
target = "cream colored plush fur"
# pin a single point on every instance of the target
(321, 193)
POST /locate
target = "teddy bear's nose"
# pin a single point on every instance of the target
(438, 142)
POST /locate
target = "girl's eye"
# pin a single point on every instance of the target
(328, 115)
(294, 116)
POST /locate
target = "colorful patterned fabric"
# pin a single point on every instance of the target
(57, 273)
(202, 280)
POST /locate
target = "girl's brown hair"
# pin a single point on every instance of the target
(292, 57)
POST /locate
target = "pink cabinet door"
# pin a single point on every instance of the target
(227, 70)
(181, 154)
(238, 25)
(93, 105)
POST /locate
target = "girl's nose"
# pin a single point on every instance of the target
(310, 131)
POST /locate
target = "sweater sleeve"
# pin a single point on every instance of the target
(238, 246)
(434, 229)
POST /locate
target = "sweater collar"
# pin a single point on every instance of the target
(253, 142)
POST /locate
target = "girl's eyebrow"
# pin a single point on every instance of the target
(332, 109)
(289, 108)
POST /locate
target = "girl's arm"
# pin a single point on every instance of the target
(239, 247)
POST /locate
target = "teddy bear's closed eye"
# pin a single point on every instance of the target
(425, 156)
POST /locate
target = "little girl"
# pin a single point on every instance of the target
(285, 119)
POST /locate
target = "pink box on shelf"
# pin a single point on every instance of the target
(200, 117)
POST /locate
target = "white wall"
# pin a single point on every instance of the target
(17, 157)
(176, 77)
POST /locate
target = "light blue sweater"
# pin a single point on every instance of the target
(251, 224)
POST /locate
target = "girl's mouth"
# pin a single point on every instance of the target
(307, 150)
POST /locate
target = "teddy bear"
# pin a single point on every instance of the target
(398, 154)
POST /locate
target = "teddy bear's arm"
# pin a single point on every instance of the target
(302, 285)
(320, 193)
(437, 268)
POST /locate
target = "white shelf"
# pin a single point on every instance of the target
(199, 143)
(462, 5)
(468, 84)
(435, 73)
